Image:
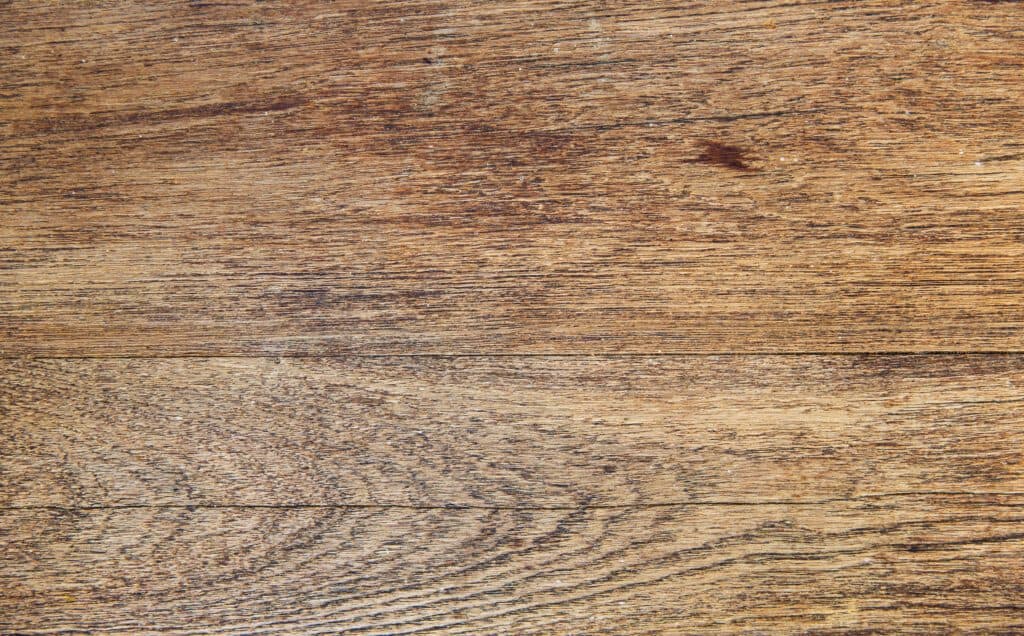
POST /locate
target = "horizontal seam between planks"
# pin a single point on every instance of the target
(657, 354)
(455, 507)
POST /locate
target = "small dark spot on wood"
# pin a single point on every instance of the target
(720, 154)
(315, 297)
(609, 468)
(427, 60)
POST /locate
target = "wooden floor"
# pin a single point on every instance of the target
(520, 317)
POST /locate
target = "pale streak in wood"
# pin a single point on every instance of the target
(905, 565)
(534, 431)
(318, 177)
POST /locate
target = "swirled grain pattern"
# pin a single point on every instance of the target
(508, 431)
(535, 269)
(906, 565)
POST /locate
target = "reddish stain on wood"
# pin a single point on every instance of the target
(726, 155)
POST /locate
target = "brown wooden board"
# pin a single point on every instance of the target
(525, 317)
(534, 177)
(509, 431)
(907, 565)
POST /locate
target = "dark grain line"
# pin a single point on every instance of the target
(553, 355)
(988, 497)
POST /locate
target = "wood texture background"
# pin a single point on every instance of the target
(536, 177)
(511, 431)
(527, 317)
(926, 565)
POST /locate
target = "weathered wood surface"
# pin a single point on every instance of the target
(526, 176)
(908, 565)
(508, 431)
(544, 495)
(189, 190)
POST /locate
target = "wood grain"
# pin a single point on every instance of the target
(464, 317)
(508, 431)
(908, 565)
(525, 176)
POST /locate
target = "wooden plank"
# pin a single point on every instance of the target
(905, 565)
(508, 431)
(526, 176)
